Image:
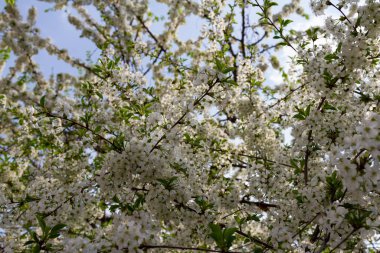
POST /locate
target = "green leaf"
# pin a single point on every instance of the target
(97, 129)
(302, 114)
(217, 235)
(41, 223)
(36, 248)
(286, 22)
(312, 33)
(33, 235)
(100, 95)
(219, 65)
(334, 187)
(253, 217)
(55, 231)
(5, 54)
(179, 168)
(203, 204)
(228, 69)
(339, 48)
(29, 242)
(10, 2)
(222, 237)
(229, 237)
(330, 57)
(168, 183)
(357, 216)
(327, 106)
(42, 101)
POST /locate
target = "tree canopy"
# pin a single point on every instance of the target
(173, 144)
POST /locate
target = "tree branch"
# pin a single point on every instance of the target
(344, 240)
(275, 27)
(340, 10)
(84, 127)
(253, 239)
(196, 102)
(146, 247)
(242, 41)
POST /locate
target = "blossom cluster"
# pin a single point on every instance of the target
(169, 144)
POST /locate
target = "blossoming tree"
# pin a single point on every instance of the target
(172, 145)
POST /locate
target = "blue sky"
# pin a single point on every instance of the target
(54, 25)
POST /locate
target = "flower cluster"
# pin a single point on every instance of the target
(169, 144)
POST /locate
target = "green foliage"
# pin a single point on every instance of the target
(302, 114)
(328, 107)
(223, 237)
(10, 2)
(203, 203)
(244, 220)
(5, 54)
(283, 23)
(105, 67)
(265, 8)
(312, 33)
(222, 67)
(334, 187)
(330, 80)
(179, 168)
(42, 101)
(335, 55)
(38, 243)
(298, 165)
(194, 141)
(168, 183)
(356, 215)
(118, 204)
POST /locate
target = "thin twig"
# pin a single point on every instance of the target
(309, 139)
(254, 157)
(196, 102)
(275, 27)
(344, 240)
(146, 247)
(305, 226)
(260, 39)
(307, 154)
(340, 10)
(242, 41)
(286, 96)
(84, 127)
(254, 239)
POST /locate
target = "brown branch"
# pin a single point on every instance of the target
(340, 10)
(260, 204)
(345, 239)
(84, 127)
(242, 41)
(309, 139)
(305, 226)
(307, 154)
(286, 96)
(150, 33)
(154, 61)
(146, 247)
(259, 40)
(254, 239)
(255, 157)
(196, 102)
(268, 48)
(374, 57)
(324, 245)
